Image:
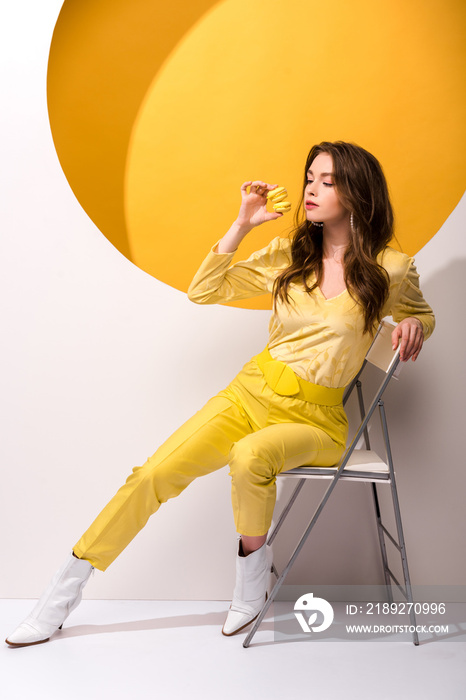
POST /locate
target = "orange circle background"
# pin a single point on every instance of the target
(158, 116)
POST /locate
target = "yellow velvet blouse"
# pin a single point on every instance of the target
(322, 340)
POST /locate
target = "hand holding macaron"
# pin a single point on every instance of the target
(255, 194)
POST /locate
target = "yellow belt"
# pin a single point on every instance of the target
(281, 379)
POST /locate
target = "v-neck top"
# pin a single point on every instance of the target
(322, 339)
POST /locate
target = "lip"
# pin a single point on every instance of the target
(311, 205)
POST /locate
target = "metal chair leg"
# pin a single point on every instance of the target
(399, 526)
(285, 511)
(291, 561)
(383, 550)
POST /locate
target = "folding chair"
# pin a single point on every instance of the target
(356, 465)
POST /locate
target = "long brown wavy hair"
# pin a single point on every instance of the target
(362, 189)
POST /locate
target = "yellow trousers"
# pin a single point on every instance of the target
(249, 426)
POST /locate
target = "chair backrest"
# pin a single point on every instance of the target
(382, 356)
(381, 353)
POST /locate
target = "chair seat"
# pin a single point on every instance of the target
(363, 465)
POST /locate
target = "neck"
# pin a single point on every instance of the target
(335, 240)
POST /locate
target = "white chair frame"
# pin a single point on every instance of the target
(356, 465)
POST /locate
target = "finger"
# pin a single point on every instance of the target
(405, 341)
(396, 337)
(416, 354)
(413, 335)
(417, 342)
(259, 187)
(418, 345)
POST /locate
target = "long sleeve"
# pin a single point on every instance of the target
(410, 302)
(217, 281)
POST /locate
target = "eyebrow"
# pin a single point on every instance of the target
(323, 174)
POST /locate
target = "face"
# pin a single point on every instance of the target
(321, 202)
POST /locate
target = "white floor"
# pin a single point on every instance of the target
(174, 649)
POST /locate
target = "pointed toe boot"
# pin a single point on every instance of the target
(62, 595)
(252, 576)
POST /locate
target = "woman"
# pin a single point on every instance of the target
(331, 284)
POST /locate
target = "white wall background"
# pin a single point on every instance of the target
(100, 362)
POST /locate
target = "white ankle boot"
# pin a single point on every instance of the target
(62, 595)
(252, 577)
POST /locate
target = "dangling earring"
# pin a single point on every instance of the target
(317, 223)
(351, 223)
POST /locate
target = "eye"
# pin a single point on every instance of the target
(309, 181)
(328, 184)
